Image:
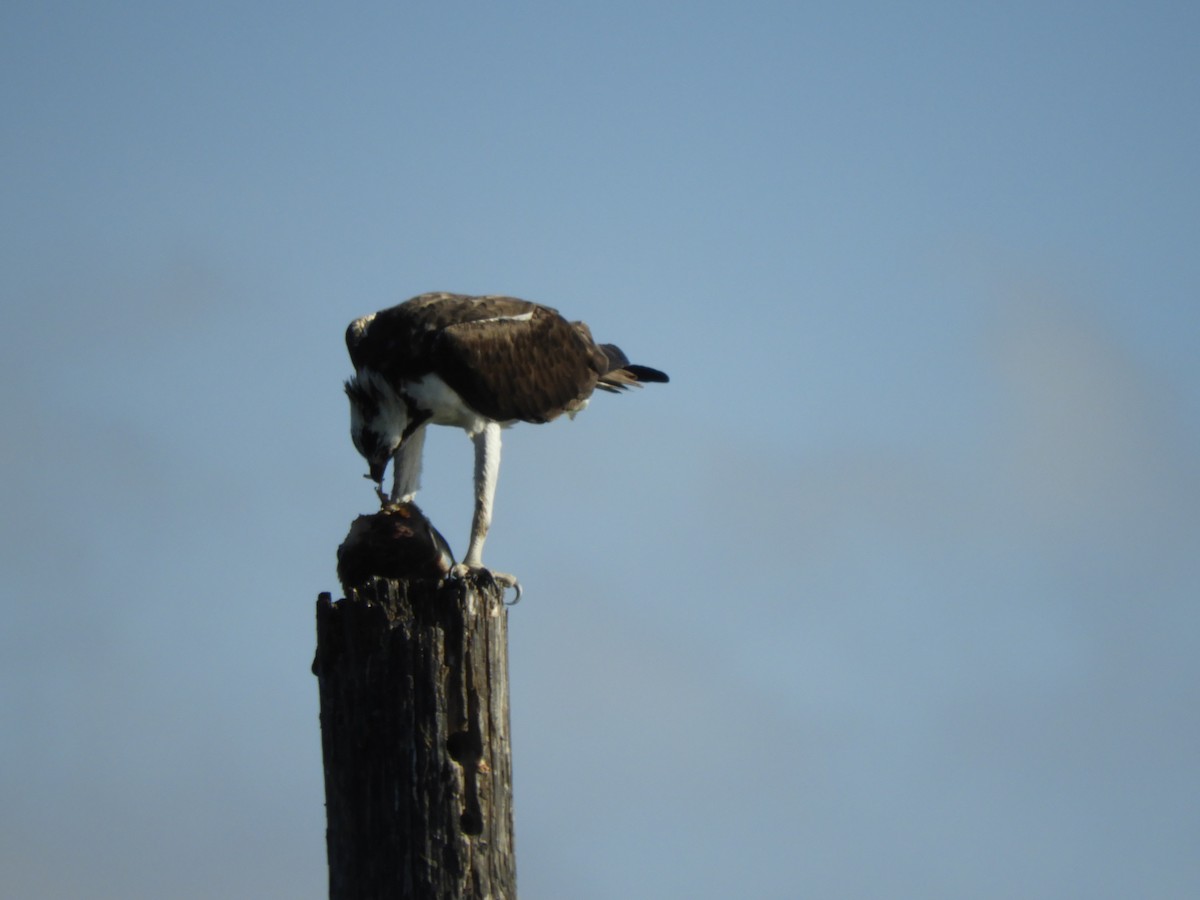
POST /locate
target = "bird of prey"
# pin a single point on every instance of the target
(476, 363)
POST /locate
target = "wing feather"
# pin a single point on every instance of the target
(524, 362)
(509, 359)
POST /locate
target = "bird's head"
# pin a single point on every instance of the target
(373, 434)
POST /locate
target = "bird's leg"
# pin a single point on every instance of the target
(487, 468)
(406, 467)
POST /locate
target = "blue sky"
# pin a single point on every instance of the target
(890, 593)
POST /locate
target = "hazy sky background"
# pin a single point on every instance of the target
(892, 592)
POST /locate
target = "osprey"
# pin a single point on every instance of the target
(476, 363)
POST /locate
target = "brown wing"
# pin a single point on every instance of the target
(517, 360)
(400, 342)
(437, 311)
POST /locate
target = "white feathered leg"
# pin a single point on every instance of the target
(487, 470)
(406, 467)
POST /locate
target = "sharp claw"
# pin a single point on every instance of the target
(507, 581)
(487, 579)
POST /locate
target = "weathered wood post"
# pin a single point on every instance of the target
(413, 679)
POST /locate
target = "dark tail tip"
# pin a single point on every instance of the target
(646, 374)
(618, 361)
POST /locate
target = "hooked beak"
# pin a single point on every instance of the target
(377, 470)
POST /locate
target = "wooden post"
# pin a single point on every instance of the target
(413, 681)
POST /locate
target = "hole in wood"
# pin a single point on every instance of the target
(471, 823)
(464, 747)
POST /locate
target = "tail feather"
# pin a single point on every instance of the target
(622, 374)
(647, 374)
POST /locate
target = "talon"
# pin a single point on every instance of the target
(485, 579)
(509, 581)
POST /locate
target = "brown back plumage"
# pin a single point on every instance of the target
(508, 359)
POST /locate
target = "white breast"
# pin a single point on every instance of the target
(431, 393)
